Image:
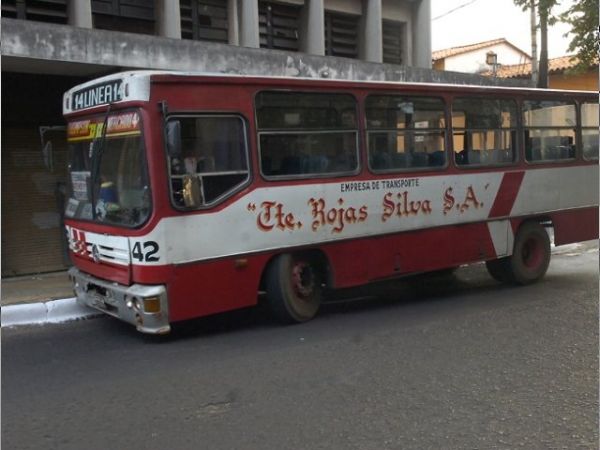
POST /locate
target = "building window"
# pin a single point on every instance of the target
(204, 20)
(133, 16)
(54, 11)
(341, 35)
(393, 42)
(278, 26)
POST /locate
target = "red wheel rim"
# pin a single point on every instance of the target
(303, 279)
(532, 253)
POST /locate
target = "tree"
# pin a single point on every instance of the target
(583, 18)
(544, 9)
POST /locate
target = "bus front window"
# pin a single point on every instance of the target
(117, 192)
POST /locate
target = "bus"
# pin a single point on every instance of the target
(196, 194)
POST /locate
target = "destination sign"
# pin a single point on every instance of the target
(97, 94)
(116, 125)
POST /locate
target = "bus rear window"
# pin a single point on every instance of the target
(303, 135)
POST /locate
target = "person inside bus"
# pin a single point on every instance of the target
(187, 163)
(108, 198)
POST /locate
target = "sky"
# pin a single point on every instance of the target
(483, 20)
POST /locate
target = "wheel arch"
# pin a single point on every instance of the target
(318, 256)
(544, 220)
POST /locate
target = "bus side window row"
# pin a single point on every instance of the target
(549, 148)
(285, 154)
(387, 161)
(484, 157)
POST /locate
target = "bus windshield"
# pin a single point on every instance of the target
(108, 171)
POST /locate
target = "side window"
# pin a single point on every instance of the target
(484, 131)
(405, 132)
(212, 160)
(306, 135)
(589, 130)
(549, 130)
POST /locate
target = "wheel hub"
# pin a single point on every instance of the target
(532, 254)
(303, 279)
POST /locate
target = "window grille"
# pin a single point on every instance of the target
(341, 35)
(204, 20)
(278, 26)
(393, 42)
(135, 16)
(54, 11)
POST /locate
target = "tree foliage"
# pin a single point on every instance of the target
(543, 6)
(583, 18)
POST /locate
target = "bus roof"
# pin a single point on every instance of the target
(135, 86)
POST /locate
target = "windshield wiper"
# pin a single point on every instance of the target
(97, 150)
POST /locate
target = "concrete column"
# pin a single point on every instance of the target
(372, 36)
(168, 18)
(233, 32)
(80, 13)
(422, 34)
(248, 21)
(408, 43)
(312, 27)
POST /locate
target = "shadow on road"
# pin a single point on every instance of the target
(426, 289)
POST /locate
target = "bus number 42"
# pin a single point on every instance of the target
(145, 251)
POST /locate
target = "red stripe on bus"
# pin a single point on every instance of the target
(507, 194)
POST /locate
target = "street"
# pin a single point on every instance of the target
(435, 362)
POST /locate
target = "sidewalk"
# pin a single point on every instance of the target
(36, 288)
(38, 299)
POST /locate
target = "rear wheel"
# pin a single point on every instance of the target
(530, 259)
(293, 285)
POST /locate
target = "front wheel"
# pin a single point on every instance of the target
(293, 285)
(530, 259)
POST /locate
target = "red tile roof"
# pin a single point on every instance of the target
(555, 65)
(441, 54)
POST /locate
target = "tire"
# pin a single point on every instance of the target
(293, 285)
(499, 269)
(531, 253)
(530, 259)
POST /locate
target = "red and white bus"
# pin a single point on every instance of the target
(190, 194)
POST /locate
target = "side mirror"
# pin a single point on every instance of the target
(47, 155)
(47, 143)
(173, 138)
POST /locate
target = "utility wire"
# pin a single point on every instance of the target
(452, 10)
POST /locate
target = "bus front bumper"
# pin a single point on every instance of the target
(144, 306)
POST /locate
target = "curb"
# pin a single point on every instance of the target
(54, 311)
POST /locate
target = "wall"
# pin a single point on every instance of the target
(473, 62)
(32, 194)
(66, 49)
(587, 81)
(345, 6)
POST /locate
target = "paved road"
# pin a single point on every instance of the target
(447, 363)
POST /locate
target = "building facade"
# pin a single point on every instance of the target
(474, 58)
(50, 45)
